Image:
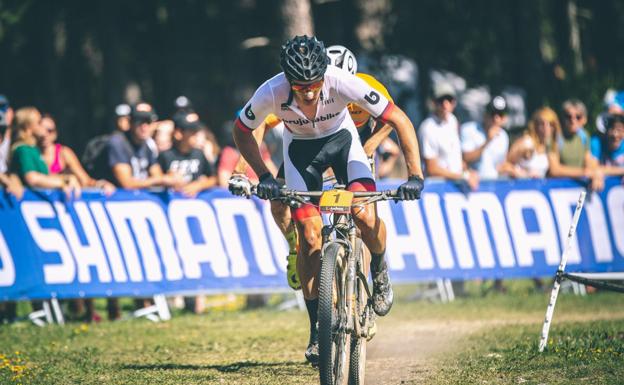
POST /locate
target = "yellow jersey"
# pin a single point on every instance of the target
(359, 115)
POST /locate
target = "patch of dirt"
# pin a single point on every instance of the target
(407, 352)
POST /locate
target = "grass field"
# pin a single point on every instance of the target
(494, 341)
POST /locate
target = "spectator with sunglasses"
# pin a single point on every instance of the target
(573, 158)
(609, 148)
(485, 144)
(63, 160)
(439, 135)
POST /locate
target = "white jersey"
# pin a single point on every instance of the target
(339, 89)
(440, 140)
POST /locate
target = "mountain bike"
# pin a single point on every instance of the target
(346, 320)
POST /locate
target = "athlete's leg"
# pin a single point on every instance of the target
(298, 158)
(309, 261)
(309, 224)
(372, 228)
(282, 217)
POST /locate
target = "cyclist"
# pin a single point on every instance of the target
(311, 99)
(371, 136)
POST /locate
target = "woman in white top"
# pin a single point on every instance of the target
(529, 156)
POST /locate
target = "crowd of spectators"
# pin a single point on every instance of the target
(475, 151)
(182, 153)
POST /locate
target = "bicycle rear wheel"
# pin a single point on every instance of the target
(357, 359)
(334, 342)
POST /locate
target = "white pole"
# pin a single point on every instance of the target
(564, 259)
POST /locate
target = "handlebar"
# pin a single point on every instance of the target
(293, 197)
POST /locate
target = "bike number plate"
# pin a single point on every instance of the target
(336, 201)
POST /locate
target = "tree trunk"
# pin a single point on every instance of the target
(370, 29)
(297, 18)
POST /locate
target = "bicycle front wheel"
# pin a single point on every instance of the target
(334, 341)
(357, 360)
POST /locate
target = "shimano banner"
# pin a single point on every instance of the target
(142, 243)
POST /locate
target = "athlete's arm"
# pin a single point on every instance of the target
(248, 147)
(380, 133)
(258, 133)
(396, 118)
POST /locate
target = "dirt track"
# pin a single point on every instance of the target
(405, 352)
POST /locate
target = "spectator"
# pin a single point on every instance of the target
(6, 118)
(441, 150)
(163, 130)
(184, 160)
(183, 104)
(26, 160)
(573, 158)
(207, 143)
(485, 144)
(62, 159)
(439, 137)
(122, 117)
(10, 182)
(132, 162)
(529, 154)
(609, 148)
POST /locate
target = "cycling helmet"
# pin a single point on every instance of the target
(342, 57)
(304, 59)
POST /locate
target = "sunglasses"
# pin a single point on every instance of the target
(447, 98)
(298, 87)
(574, 116)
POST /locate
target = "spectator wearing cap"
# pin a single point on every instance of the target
(573, 158)
(132, 162)
(183, 104)
(184, 160)
(609, 148)
(6, 118)
(122, 117)
(439, 136)
(441, 148)
(485, 144)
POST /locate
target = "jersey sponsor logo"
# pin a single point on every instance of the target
(249, 113)
(327, 101)
(372, 98)
(302, 122)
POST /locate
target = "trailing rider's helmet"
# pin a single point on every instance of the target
(304, 59)
(341, 57)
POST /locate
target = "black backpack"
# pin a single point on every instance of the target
(95, 156)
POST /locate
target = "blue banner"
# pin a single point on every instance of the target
(138, 243)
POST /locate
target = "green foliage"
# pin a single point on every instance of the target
(75, 59)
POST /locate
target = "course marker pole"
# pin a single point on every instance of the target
(564, 259)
